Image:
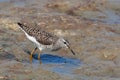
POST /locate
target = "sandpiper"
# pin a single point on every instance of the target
(43, 40)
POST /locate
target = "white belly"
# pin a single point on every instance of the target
(31, 38)
(40, 46)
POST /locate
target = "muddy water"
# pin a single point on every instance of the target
(57, 64)
(93, 32)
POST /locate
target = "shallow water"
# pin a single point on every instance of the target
(57, 64)
(4, 0)
(108, 14)
(111, 17)
(19, 4)
(97, 44)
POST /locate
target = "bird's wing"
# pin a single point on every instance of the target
(41, 36)
(45, 38)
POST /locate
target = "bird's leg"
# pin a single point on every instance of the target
(39, 58)
(33, 51)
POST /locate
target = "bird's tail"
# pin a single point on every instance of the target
(23, 26)
(20, 25)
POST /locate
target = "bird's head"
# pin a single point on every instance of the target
(65, 44)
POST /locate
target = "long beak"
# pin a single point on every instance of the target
(71, 50)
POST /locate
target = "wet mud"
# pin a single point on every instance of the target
(91, 26)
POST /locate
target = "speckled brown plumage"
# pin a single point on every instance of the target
(41, 36)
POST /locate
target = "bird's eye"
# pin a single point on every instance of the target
(64, 42)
